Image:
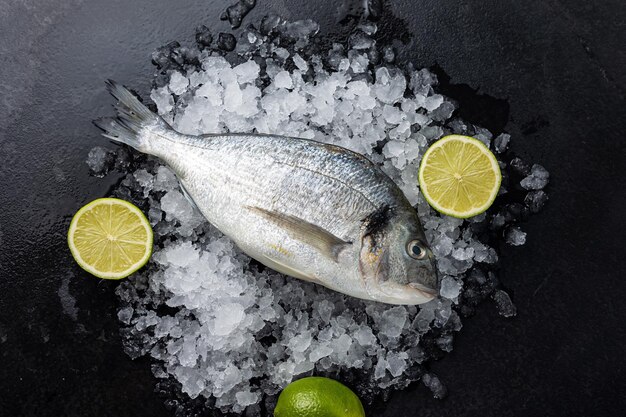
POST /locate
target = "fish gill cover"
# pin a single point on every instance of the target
(229, 333)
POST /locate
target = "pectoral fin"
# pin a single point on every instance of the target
(308, 233)
(188, 197)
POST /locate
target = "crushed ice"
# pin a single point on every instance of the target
(233, 332)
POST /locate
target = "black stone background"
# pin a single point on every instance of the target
(558, 69)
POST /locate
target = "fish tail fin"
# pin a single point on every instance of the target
(115, 130)
(132, 118)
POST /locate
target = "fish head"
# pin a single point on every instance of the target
(395, 262)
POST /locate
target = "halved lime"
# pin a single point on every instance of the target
(459, 176)
(318, 397)
(110, 238)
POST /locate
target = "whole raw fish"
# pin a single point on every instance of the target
(314, 211)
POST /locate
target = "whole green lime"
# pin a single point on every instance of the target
(318, 397)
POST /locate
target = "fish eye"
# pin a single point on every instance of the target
(416, 249)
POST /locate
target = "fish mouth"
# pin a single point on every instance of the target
(427, 280)
(423, 288)
(403, 294)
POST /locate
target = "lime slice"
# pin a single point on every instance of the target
(318, 397)
(459, 176)
(110, 238)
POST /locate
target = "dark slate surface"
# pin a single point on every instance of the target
(558, 70)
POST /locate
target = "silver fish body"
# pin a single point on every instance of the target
(310, 210)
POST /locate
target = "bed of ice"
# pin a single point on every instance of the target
(233, 333)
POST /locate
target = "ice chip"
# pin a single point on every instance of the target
(299, 31)
(236, 12)
(393, 149)
(483, 135)
(368, 27)
(392, 114)
(396, 363)
(519, 166)
(226, 41)
(178, 83)
(392, 321)
(536, 200)
(389, 87)
(319, 352)
(300, 63)
(176, 206)
(433, 102)
(163, 100)
(246, 398)
(389, 55)
(283, 80)
(515, 236)
(450, 288)
(360, 40)
(100, 161)
(125, 314)
(501, 142)
(506, 308)
(300, 343)
(233, 97)
(463, 254)
(433, 383)
(364, 336)
(145, 180)
(227, 318)
(537, 179)
(165, 180)
(380, 369)
(204, 36)
(247, 72)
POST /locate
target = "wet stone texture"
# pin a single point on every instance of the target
(547, 339)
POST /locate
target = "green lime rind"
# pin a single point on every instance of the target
(318, 397)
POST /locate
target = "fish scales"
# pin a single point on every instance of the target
(277, 173)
